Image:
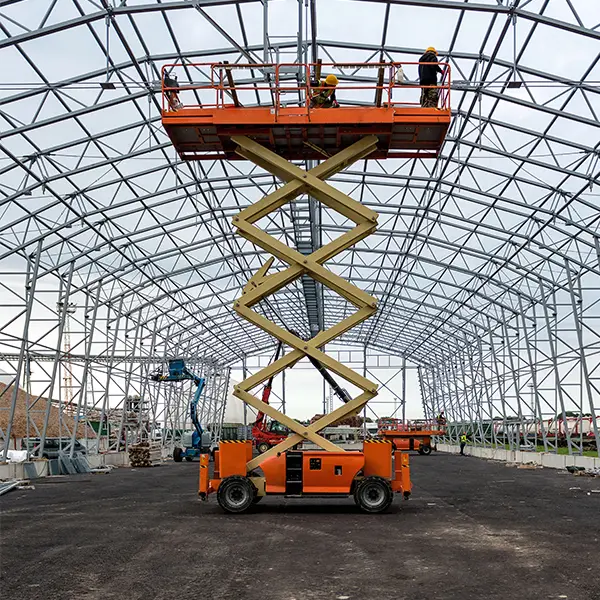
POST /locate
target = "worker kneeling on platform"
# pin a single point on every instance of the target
(428, 77)
(325, 96)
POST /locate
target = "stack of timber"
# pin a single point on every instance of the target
(144, 455)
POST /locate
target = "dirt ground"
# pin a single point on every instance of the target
(473, 530)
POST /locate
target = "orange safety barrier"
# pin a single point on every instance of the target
(201, 117)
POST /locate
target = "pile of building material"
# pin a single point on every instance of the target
(583, 472)
(18, 484)
(144, 455)
(6, 486)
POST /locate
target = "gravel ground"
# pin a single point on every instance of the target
(473, 530)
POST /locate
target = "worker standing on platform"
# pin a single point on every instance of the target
(172, 95)
(325, 97)
(428, 77)
(463, 443)
(441, 420)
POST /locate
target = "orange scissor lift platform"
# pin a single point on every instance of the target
(295, 130)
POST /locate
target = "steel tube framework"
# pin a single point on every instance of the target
(485, 265)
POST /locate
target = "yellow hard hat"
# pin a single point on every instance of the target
(431, 49)
(331, 80)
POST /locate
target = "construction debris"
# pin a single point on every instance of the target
(6, 486)
(583, 472)
(144, 455)
(101, 470)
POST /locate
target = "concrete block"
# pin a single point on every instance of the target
(95, 460)
(534, 457)
(446, 448)
(118, 459)
(584, 461)
(12, 471)
(553, 461)
(41, 468)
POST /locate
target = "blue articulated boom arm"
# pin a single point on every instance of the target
(199, 381)
(179, 372)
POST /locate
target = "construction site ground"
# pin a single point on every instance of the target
(472, 530)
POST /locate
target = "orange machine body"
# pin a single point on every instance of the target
(419, 441)
(312, 472)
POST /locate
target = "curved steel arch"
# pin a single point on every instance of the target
(497, 240)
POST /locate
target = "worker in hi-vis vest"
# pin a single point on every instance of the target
(324, 96)
(463, 443)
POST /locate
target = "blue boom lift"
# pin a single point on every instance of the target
(199, 441)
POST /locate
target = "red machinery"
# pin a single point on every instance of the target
(268, 433)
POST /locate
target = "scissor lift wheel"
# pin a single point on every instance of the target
(236, 494)
(373, 494)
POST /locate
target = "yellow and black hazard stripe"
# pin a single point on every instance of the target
(234, 441)
(377, 442)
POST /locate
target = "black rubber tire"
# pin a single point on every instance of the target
(263, 447)
(177, 454)
(189, 458)
(236, 494)
(425, 450)
(373, 494)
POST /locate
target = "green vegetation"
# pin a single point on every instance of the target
(562, 450)
(590, 453)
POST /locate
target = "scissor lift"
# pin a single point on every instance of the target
(272, 137)
(415, 436)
